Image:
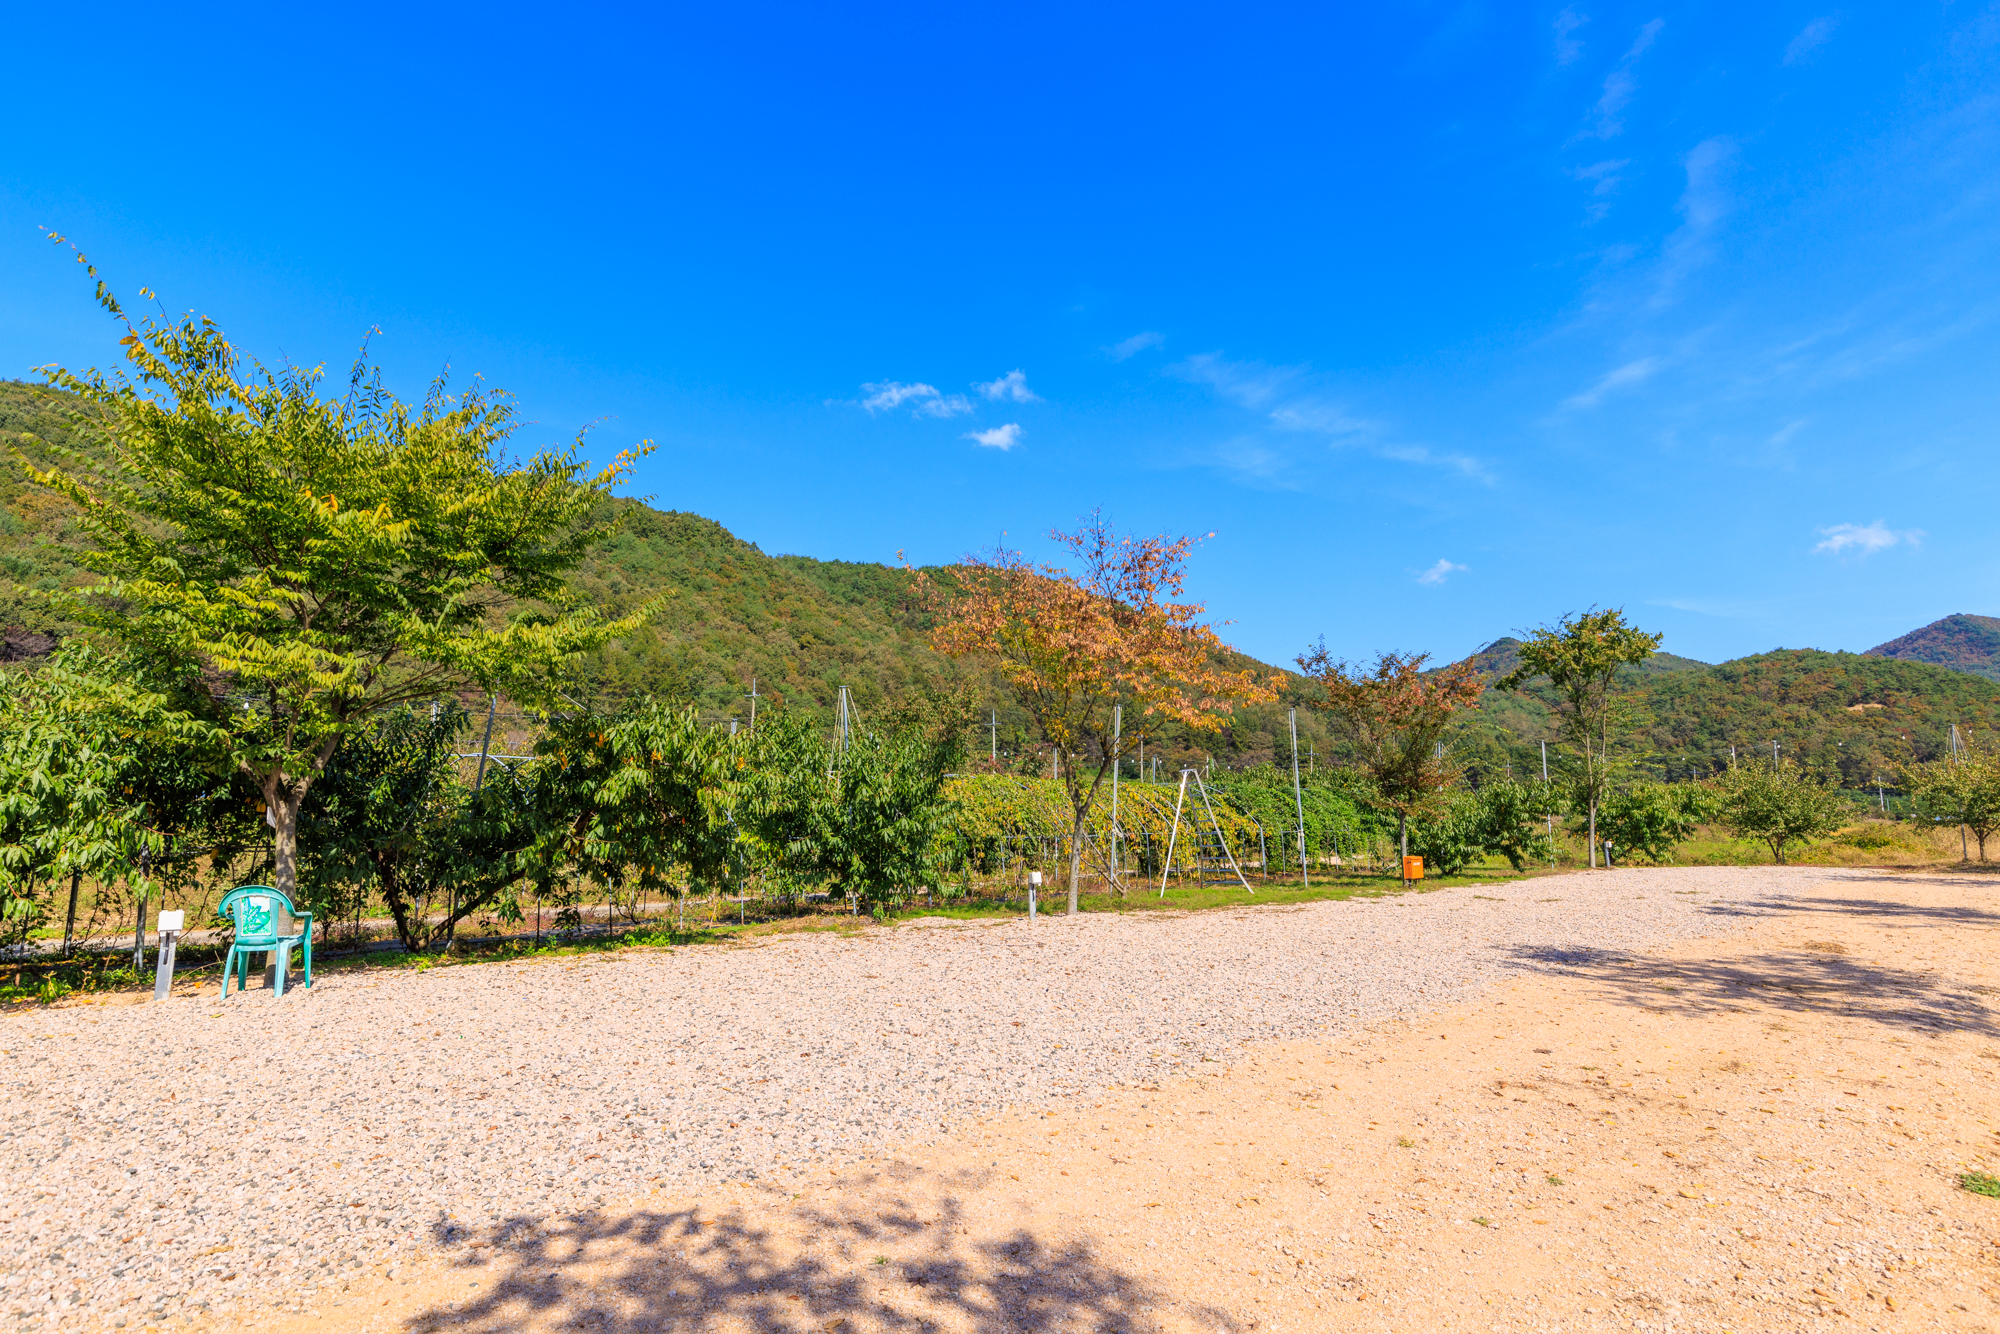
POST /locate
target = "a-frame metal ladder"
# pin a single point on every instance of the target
(1211, 849)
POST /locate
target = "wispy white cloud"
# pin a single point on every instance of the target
(1864, 539)
(1321, 418)
(1810, 39)
(1439, 572)
(1620, 87)
(1134, 345)
(1713, 607)
(1002, 438)
(1290, 405)
(1247, 384)
(891, 394)
(1783, 435)
(1703, 204)
(1013, 386)
(1603, 176)
(1567, 47)
(1463, 464)
(1604, 181)
(1631, 373)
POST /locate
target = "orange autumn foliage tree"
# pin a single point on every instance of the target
(1398, 715)
(1075, 644)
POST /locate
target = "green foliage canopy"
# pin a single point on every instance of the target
(1778, 804)
(1581, 655)
(320, 560)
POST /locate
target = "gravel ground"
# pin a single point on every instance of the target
(200, 1157)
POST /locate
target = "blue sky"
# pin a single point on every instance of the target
(1445, 318)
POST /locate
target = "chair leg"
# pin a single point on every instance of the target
(307, 952)
(282, 957)
(228, 962)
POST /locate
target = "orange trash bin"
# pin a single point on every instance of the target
(1413, 868)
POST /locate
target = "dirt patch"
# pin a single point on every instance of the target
(1752, 1133)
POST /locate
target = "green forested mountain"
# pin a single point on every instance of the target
(1962, 642)
(802, 628)
(799, 628)
(1849, 714)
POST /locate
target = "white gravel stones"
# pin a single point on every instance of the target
(200, 1155)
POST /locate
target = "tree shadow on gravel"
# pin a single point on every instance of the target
(825, 1273)
(1940, 914)
(1799, 981)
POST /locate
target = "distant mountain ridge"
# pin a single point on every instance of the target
(800, 629)
(1503, 655)
(1962, 642)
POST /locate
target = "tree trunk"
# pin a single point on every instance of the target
(283, 804)
(1075, 860)
(1593, 832)
(69, 925)
(1403, 841)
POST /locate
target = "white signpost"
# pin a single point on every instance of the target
(1034, 883)
(171, 925)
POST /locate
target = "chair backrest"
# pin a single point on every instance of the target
(260, 913)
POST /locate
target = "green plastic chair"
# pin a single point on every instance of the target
(266, 923)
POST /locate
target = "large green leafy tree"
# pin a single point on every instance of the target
(1514, 819)
(637, 800)
(389, 815)
(1652, 819)
(310, 562)
(66, 811)
(99, 783)
(1778, 804)
(1581, 655)
(1962, 790)
(867, 817)
(1399, 716)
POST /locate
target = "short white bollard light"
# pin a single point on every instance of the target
(1034, 883)
(171, 925)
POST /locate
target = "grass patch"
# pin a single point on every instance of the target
(1979, 1183)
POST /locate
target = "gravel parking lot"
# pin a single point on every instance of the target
(196, 1158)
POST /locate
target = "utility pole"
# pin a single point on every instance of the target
(486, 746)
(753, 697)
(1299, 801)
(1550, 815)
(993, 739)
(1774, 753)
(1965, 851)
(843, 720)
(1117, 762)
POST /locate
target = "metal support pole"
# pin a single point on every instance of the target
(139, 927)
(1173, 834)
(1551, 815)
(486, 746)
(170, 933)
(1117, 762)
(1299, 800)
(69, 925)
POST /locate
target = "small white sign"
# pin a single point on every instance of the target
(1034, 877)
(173, 921)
